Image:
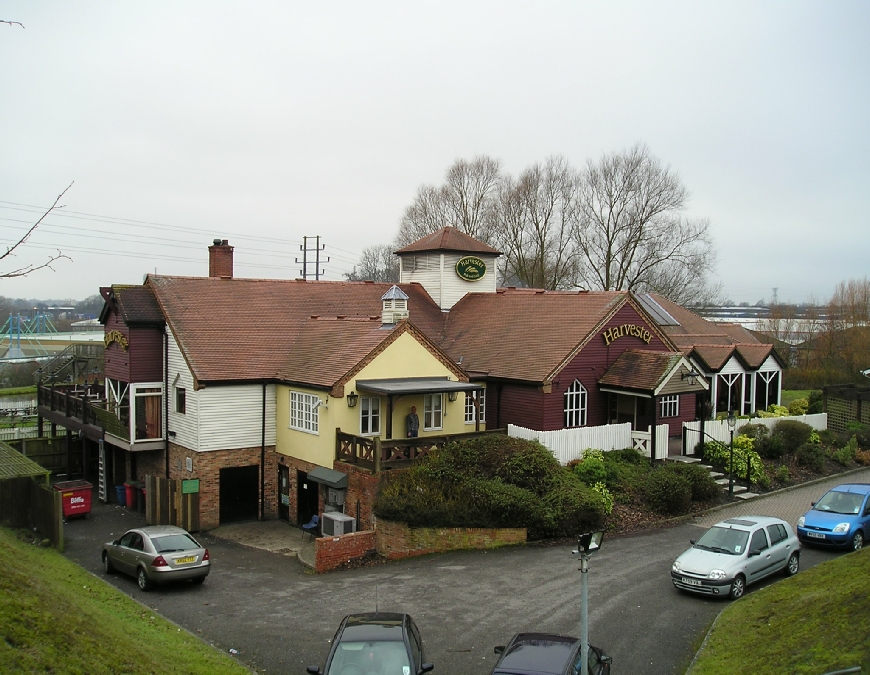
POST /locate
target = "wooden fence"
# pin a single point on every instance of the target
(167, 504)
(569, 444)
(27, 504)
(718, 429)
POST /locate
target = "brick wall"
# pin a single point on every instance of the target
(332, 552)
(362, 488)
(397, 540)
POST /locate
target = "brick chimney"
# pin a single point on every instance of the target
(220, 259)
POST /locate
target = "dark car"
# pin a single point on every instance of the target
(840, 518)
(547, 654)
(157, 555)
(375, 643)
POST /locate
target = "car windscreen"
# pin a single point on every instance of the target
(538, 655)
(840, 502)
(723, 540)
(381, 658)
(174, 542)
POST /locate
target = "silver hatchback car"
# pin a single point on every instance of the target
(156, 555)
(735, 553)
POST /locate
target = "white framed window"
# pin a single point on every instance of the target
(369, 415)
(303, 413)
(146, 414)
(669, 406)
(575, 405)
(433, 405)
(469, 406)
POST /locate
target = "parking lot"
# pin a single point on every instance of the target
(279, 616)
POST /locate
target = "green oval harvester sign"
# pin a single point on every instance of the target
(470, 268)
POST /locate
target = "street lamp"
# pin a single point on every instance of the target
(587, 544)
(732, 421)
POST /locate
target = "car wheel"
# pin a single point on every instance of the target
(198, 580)
(857, 541)
(144, 582)
(738, 587)
(107, 564)
(793, 565)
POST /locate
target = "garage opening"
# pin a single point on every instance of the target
(239, 493)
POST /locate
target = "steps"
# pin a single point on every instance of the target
(740, 492)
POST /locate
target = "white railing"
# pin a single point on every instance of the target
(15, 433)
(718, 429)
(569, 444)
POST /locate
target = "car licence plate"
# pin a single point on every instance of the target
(691, 582)
(816, 535)
(187, 559)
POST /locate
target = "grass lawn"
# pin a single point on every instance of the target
(789, 395)
(55, 617)
(813, 623)
(18, 391)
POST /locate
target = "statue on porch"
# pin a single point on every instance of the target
(412, 423)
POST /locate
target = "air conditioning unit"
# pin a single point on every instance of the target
(335, 524)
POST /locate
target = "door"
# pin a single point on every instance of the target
(760, 565)
(239, 493)
(307, 498)
(284, 493)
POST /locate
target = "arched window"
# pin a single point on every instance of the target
(575, 405)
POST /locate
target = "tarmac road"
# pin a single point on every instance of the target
(280, 616)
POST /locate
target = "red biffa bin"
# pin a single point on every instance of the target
(75, 496)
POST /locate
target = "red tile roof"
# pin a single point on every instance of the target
(640, 369)
(448, 239)
(136, 304)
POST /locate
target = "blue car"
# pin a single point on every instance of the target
(840, 518)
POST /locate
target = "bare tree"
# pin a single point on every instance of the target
(32, 267)
(465, 201)
(631, 234)
(533, 226)
(377, 263)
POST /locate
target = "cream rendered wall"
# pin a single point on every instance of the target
(405, 357)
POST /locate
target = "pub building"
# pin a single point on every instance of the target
(289, 398)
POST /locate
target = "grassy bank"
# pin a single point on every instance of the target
(813, 623)
(55, 617)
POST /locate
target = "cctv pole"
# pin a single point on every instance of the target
(584, 613)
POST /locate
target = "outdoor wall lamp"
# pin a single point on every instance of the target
(352, 398)
(692, 376)
(451, 395)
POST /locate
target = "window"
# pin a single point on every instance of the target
(369, 415)
(146, 419)
(180, 400)
(776, 532)
(432, 406)
(303, 413)
(575, 405)
(469, 406)
(759, 541)
(669, 406)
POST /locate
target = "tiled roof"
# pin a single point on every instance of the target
(448, 239)
(694, 329)
(523, 334)
(640, 369)
(244, 329)
(755, 355)
(137, 304)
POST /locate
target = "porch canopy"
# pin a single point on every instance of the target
(328, 477)
(395, 388)
(648, 374)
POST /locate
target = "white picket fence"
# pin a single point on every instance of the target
(719, 430)
(15, 433)
(569, 444)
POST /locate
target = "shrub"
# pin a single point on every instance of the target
(530, 466)
(811, 455)
(572, 508)
(798, 407)
(793, 434)
(704, 488)
(782, 474)
(745, 457)
(764, 481)
(846, 454)
(863, 457)
(816, 403)
(774, 410)
(668, 492)
(591, 470)
(626, 475)
(606, 497)
(755, 431)
(770, 447)
(627, 455)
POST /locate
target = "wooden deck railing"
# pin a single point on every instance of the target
(376, 455)
(84, 405)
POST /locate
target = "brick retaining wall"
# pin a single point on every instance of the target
(332, 552)
(397, 540)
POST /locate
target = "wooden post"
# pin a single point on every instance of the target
(377, 452)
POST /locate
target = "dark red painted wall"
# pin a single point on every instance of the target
(142, 361)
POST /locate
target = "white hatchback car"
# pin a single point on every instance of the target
(735, 553)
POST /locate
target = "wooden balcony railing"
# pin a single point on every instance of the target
(376, 455)
(84, 405)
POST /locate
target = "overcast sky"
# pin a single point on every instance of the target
(266, 122)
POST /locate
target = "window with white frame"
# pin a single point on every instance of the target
(369, 415)
(432, 408)
(303, 412)
(146, 418)
(575, 405)
(469, 405)
(669, 406)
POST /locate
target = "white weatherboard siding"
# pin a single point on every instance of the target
(218, 417)
(438, 276)
(770, 364)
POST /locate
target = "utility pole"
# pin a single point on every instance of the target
(316, 251)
